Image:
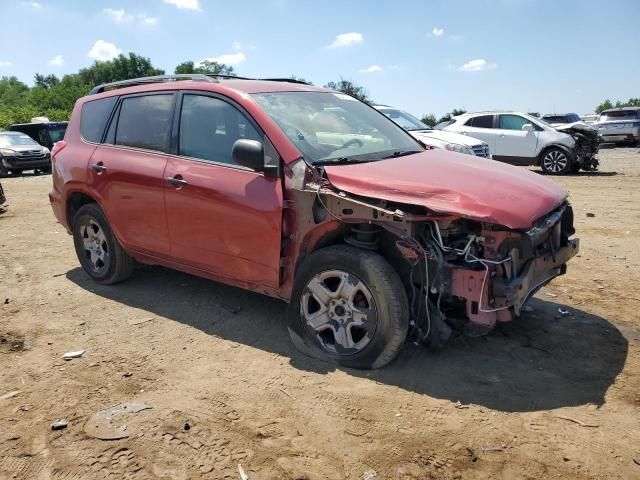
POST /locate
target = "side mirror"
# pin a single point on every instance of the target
(248, 153)
(527, 127)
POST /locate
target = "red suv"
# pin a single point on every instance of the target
(308, 195)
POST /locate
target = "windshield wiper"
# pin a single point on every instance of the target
(342, 161)
(402, 153)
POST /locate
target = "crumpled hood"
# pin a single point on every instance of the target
(447, 182)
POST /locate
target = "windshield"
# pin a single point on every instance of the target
(332, 127)
(405, 120)
(14, 140)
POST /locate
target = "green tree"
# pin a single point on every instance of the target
(205, 67)
(120, 68)
(606, 105)
(429, 119)
(47, 81)
(350, 88)
(454, 113)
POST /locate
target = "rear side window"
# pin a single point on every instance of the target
(209, 127)
(145, 122)
(94, 118)
(483, 121)
(512, 122)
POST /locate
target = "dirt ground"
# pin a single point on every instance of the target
(548, 396)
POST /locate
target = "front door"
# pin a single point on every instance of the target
(514, 144)
(222, 217)
(127, 171)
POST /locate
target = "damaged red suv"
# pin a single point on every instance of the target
(311, 196)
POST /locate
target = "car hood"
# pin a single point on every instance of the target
(577, 126)
(447, 182)
(443, 137)
(26, 148)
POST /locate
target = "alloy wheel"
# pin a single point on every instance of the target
(95, 245)
(555, 161)
(338, 308)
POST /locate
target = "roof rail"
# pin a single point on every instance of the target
(288, 80)
(155, 79)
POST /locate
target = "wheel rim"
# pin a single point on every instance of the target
(555, 161)
(94, 244)
(339, 310)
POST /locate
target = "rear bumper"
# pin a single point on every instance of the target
(57, 205)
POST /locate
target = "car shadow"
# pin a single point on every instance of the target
(581, 173)
(543, 361)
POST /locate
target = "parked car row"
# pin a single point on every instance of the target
(311, 196)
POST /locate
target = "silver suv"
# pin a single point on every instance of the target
(620, 125)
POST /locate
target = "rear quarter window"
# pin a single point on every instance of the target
(94, 118)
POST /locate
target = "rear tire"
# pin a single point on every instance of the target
(555, 161)
(97, 248)
(348, 306)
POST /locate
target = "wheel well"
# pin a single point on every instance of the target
(556, 146)
(385, 246)
(76, 200)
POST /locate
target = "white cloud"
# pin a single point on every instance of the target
(34, 5)
(103, 51)
(236, 45)
(228, 59)
(119, 15)
(148, 20)
(437, 32)
(57, 61)
(347, 39)
(477, 65)
(186, 4)
(5, 64)
(372, 69)
(455, 38)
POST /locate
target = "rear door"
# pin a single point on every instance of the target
(480, 127)
(517, 145)
(222, 217)
(127, 171)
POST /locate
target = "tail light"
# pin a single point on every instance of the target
(57, 148)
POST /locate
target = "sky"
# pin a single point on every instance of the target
(547, 56)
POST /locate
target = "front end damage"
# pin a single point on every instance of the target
(586, 147)
(458, 272)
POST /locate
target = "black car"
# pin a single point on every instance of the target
(46, 133)
(20, 152)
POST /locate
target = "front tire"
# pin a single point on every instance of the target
(555, 161)
(348, 306)
(98, 250)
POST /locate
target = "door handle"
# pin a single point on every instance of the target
(176, 181)
(98, 167)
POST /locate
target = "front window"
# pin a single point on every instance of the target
(7, 141)
(332, 127)
(512, 122)
(405, 120)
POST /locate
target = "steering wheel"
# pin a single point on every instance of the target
(353, 141)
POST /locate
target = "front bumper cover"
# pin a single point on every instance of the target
(536, 273)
